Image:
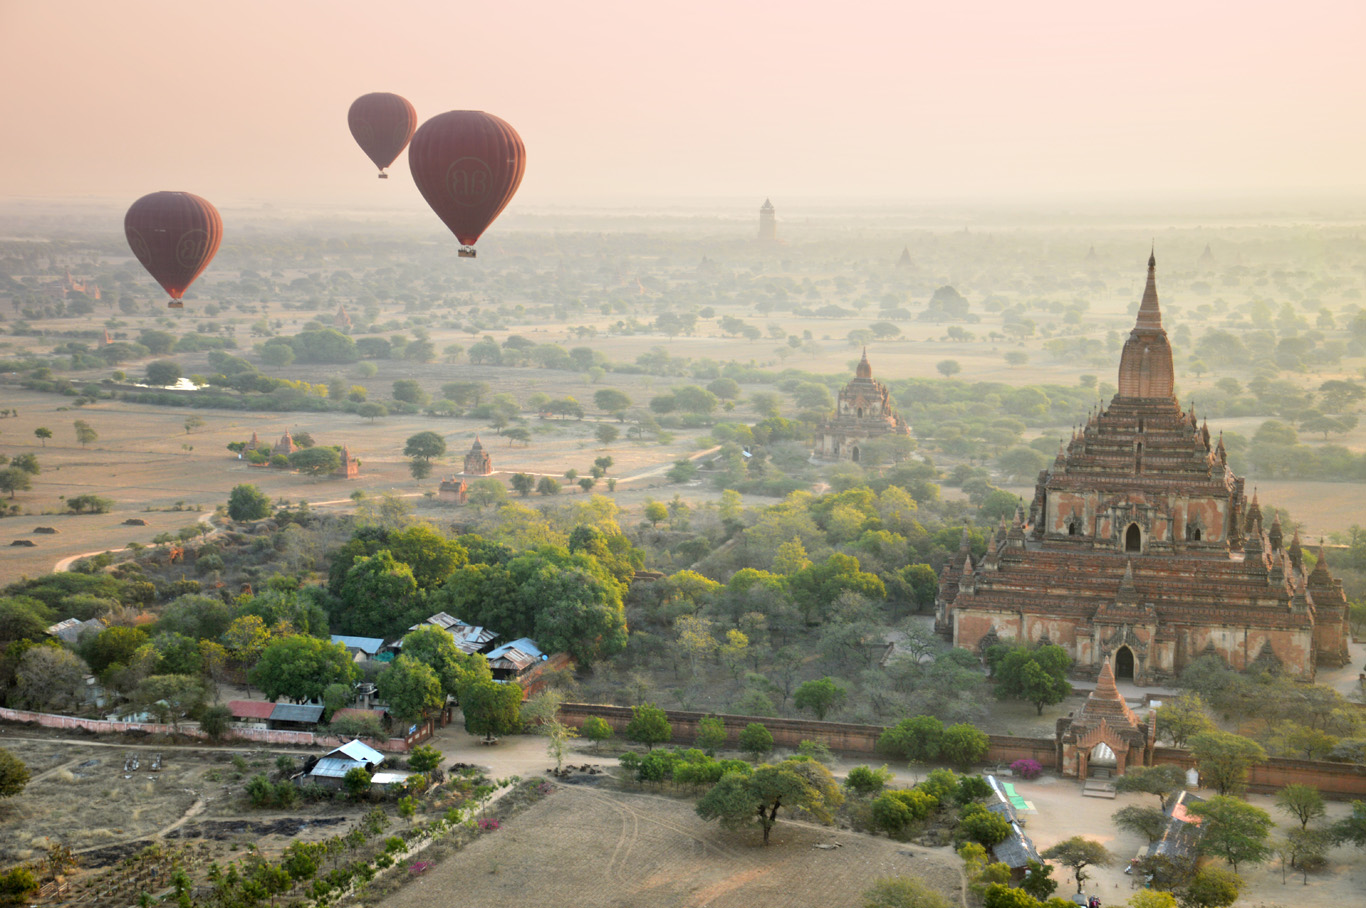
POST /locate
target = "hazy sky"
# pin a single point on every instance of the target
(642, 101)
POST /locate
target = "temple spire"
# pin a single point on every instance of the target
(1149, 315)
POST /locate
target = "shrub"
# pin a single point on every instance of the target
(1027, 769)
(865, 781)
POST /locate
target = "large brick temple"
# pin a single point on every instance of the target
(863, 413)
(1141, 546)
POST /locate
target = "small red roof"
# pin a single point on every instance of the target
(251, 709)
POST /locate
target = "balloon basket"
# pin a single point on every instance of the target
(384, 176)
(467, 252)
(175, 304)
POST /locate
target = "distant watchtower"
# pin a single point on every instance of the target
(768, 222)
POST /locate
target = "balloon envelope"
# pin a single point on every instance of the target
(382, 123)
(174, 235)
(467, 164)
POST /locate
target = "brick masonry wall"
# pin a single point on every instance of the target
(1335, 780)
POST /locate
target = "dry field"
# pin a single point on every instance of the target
(80, 795)
(588, 848)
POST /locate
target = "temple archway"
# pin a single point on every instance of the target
(854, 454)
(1124, 664)
(1133, 539)
(1103, 755)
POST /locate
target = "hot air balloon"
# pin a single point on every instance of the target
(467, 164)
(174, 235)
(382, 124)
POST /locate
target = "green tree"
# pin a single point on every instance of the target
(1146, 821)
(655, 511)
(1183, 718)
(246, 502)
(423, 448)
(492, 709)
(1352, 828)
(1077, 854)
(301, 668)
(740, 799)
(1037, 676)
(215, 721)
(963, 745)
(756, 741)
(315, 461)
(902, 892)
(606, 434)
(649, 725)
(371, 410)
(596, 729)
(42, 433)
(523, 483)
(1039, 881)
(26, 462)
(14, 480)
(162, 373)
(1303, 802)
(1211, 887)
(1160, 781)
(409, 391)
(435, 647)
(1233, 829)
(548, 485)
(711, 734)
(356, 782)
(14, 774)
(865, 781)
(1224, 759)
(112, 645)
(85, 434)
(821, 696)
(916, 740)
(410, 688)
(380, 596)
(610, 400)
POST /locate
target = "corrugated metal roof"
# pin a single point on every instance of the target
(332, 768)
(294, 712)
(357, 750)
(1017, 850)
(251, 709)
(389, 778)
(367, 645)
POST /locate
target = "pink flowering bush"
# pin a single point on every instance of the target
(487, 825)
(1026, 769)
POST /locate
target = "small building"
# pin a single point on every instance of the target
(477, 461)
(452, 489)
(1183, 829)
(1017, 849)
(468, 637)
(251, 713)
(294, 717)
(360, 649)
(512, 660)
(1105, 737)
(341, 321)
(349, 468)
(333, 766)
(71, 630)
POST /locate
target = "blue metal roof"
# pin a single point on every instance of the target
(367, 645)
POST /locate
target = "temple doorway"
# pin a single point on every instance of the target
(854, 454)
(1124, 664)
(1102, 762)
(1133, 539)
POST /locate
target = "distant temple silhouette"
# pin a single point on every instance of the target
(768, 222)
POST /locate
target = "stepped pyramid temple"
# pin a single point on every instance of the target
(477, 461)
(863, 412)
(1141, 547)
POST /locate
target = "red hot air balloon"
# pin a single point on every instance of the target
(382, 124)
(174, 235)
(467, 164)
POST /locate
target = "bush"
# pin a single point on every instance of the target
(1027, 769)
(977, 824)
(424, 758)
(866, 781)
(895, 811)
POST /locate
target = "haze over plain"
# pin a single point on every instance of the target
(632, 103)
